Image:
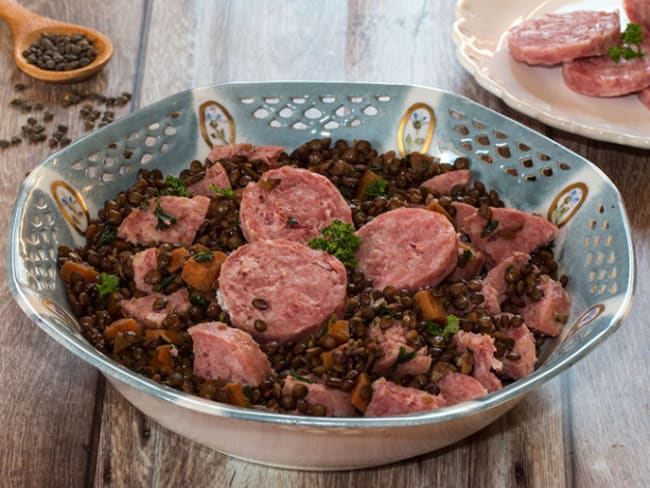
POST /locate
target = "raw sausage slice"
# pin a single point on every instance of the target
(222, 352)
(602, 77)
(290, 203)
(215, 175)
(558, 38)
(289, 287)
(408, 248)
(336, 402)
(391, 399)
(144, 226)
(268, 154)
(638, 11)
(459, 387)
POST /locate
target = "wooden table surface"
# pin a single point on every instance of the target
(61, 425)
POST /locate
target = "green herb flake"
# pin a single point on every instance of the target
(247, 391)
(434, 329)
(469, 255)
(632, 37)
(198, 300)
(144, 204)
(387, 312)
(109, 283)
(165, 282)
(165, 220)
(304, 379)
(324, 330)
(202, 256)
(108, 235)
(489, 227)
(403, 357)
(377, 188)
(340, 241)
(291, 221)
(226, 192)
(176, 186)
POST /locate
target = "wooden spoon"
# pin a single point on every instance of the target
(27, 27)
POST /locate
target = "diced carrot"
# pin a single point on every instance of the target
(367, 178)
(162, 358)
(430, 307)
(434, 206)
(124, 340)
(87, 272)
(236, 394)
(177, 260)
(167, 335)
(201, 275)
(339, 330)
(361, 390)
(122, 325)
(328, 359)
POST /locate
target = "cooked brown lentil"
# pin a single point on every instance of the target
(343, 163)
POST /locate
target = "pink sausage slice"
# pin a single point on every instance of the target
(291, 288)
(443, 183)
(482, 347)
(143, 311)
(525, 347)
(215, 175)
(290, 203)
(269, 154)
(222, 352)
(458, 387)
(336, 402)
(558, 38)
(408, 248)
(143, 226)
(391, 399)
(548, 315)
(143, 262)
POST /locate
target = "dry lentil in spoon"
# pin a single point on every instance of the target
(61, 52)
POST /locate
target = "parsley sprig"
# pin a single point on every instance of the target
(377, 188)
(176, 186)
(109, 283)
(453, 326)
(403, 357)
(108, 235)
(632, 38)
(165, 220)
(226, 192)
(340, 241)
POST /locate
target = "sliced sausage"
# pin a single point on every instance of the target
(524, 347)
(638, 11)
(558, 38)
(463, 211)
(290, 203)
(443, 183)
(602, 77)
(143, 262)
(472, 260)
(154, 224)
(391, 399)
(269, 154)
(408, 248)
(548, 315)
(496, 277)
(482, 347)
(391, 341)
(337, 403)
(144, 311)
(508, 231)
(458, 387)
(215, 175)
(226, 353)
(284, 286)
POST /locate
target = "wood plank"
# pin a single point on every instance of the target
(49, 395)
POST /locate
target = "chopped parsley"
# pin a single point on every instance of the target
(176, 187)
(198, 300)
(376, 188)
(489, 227)
(632, 38)
(469, 255)
(165, 282)
(109, 283)
(291, 221)
(453, 326)
(226, 192)
(164, 219)
(247, 390)
(340, 241)
(299, 377)
(403, 357)
(108, 235)
(144, 204)
(202, 256)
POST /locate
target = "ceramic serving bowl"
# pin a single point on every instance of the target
(530, 172)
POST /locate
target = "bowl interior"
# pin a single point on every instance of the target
(530, 172)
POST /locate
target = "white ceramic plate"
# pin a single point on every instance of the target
(480, 33)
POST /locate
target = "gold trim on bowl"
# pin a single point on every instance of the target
(424, 144)
(204, 129)
(75, 216)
